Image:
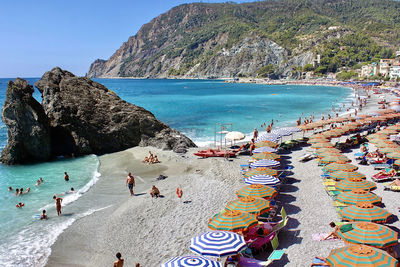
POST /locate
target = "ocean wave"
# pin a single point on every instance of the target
(32, 245)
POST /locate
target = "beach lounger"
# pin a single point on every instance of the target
(250, 262)
(380, 166)
(306, 157)
(329, 182)
(383, 176)
(339, 204)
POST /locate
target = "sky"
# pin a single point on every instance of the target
(37, 36)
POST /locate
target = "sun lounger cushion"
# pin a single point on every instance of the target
(346, 227)
(276, 255)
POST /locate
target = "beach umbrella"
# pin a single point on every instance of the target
(234, 136)
(266, 143)
(332, 167)
(330, 150)
(393, 155)
(355, 183)
(389, 149)
(317, 140)
(327, 154)
(265, 149)
(334, 158)
(360, 255)
(322, 145)
(365, 211)
(397, 162)
(261, 171)
(191, 261)
(217, 244)
(281, 132)
(341, 175)
(265, 163)
(368, 233)
(358, 195)
(262, 179)
(268, 137)
(254, 205)
(257, 190)
(265, 155)
(232, 221)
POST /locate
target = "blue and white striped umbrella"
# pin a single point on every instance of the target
(265, 149)
(268, 137)
(217, 244)
(191, 261)
(265, 163)
(281, 132)
(262, 179)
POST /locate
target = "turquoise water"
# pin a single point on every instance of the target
(191, 106)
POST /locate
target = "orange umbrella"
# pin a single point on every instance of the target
(232, 221)
(257, 190)
(254, 205)
(339, 167)
(355, 183)
(358, 195)
(334, 158)
(267, 143)
(365, 211)
(261, 171)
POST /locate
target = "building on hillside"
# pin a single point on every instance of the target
(369, 70)
(384, 66)
(395, 71)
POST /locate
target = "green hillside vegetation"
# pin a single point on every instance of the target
(361, 31)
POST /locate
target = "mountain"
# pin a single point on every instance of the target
(267, 39)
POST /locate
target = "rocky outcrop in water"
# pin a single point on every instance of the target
(77, 117)
(27, 125)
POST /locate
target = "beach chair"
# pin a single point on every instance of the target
(250, 262)
(339, 204)
(380, 166)
(276, 254)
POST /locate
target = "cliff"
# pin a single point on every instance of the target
(203, 40)
(77, 116)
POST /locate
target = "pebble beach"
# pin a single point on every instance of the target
(151, 231)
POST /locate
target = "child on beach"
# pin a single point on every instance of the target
(43, 216)
(66, 177)
(154, 192)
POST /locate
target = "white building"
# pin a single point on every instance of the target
(394, 71)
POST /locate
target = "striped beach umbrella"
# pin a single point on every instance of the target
(254, 205)
(327, 154)
(326, 150)
(393, 155)
(268, 137)
(317, 140)
(257, 190)
(322, 145)
(266, 143)
(355, 183)
(339, 167)
(261, 171)
(265, 149)
(281, 132)
(365, 212)
(265, 155)
(334, 158)
(368, 233)
(397, 162)
(341, 175)
(191, 261)
(263, 179)
(232, 221)
(388, 149)
(217, 244)
(360, 255)
(358, 195)
(265, 163)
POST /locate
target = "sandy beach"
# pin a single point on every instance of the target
(150, 231)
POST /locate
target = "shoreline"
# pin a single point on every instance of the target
(208, 184)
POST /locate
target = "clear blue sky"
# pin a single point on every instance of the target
(39, 35)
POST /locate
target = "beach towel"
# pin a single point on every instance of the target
(346, 227)
(321, 236)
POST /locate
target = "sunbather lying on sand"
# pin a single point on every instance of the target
(333, 235)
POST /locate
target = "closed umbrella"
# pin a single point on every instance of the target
(368, 233)
(366, 212)
(358, 195)
(355, 183)
(341, 175)
(263, 179)
(265, 163)
(191, 261)
(256, 206)
(261, 171)
(257, 190)
(360, 255)
(232, 221)
(217, 244)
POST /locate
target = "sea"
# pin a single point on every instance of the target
(199, 109)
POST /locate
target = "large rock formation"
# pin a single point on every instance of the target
(27, 124)
(78, 116)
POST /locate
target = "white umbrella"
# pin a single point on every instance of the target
(217, 244)
(234, 136)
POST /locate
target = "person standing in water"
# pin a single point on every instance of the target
(255, 134)
(66, 177)
(58, 204)
(130, 182)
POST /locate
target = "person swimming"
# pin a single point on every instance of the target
(16, 192)
(72, 190)
(20, 205)
(66, 177)
(10, 189)
(43, 216)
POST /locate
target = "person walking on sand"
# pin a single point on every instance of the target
(119, 262)
(58, 204)
(130, 182)
(66, 177)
